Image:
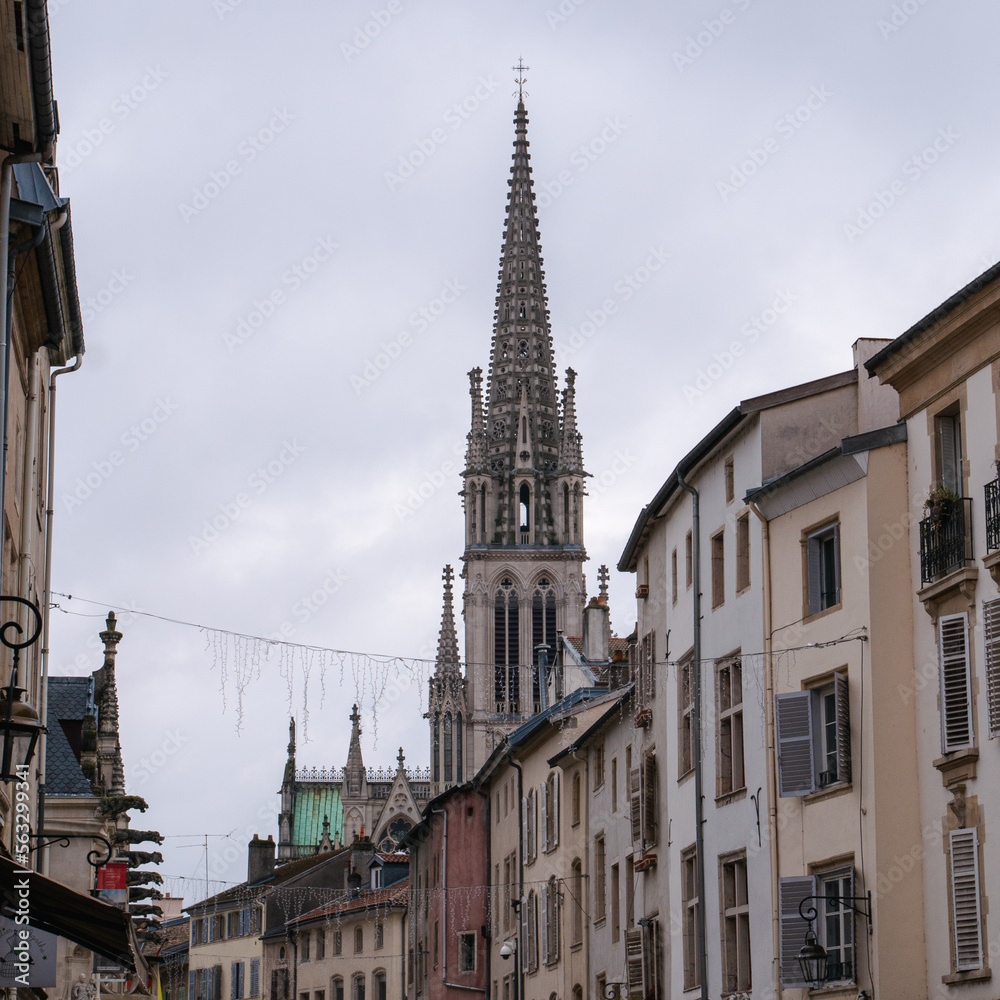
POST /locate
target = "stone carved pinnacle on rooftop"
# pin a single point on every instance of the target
(476, 456)
(447, 652)
(570, 451)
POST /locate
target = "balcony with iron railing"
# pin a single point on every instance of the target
(946, 538)
(993, 515)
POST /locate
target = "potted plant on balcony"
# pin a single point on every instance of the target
(940, 505)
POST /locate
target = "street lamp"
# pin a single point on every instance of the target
(20, 726)
(812, 956)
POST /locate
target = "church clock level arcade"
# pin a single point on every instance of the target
(523, 492)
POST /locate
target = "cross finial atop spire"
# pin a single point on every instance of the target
(520, 69)
(603, 576)
(448, 575)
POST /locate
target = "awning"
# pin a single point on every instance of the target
(54, 907)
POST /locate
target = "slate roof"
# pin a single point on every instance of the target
(68, 698)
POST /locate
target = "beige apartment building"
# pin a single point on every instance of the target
(848, 848)
(946, 369)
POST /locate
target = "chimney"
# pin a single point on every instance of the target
(260, 859)
(596, 632)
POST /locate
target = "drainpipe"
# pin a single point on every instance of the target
(444, 893)
(487, 802)
(519, 971)
(769, 743)
(699, 804)
(50, 501)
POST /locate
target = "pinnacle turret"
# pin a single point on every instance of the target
(570, 453)
(447, 651)
(476, 452)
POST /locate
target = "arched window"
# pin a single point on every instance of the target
(576, 513)
(543, 632)
(458, 747)
(524, 508)
(358, 987)
(505, 649)
(482, 512)
(447, 747)
(577, 992)
(359, 940)
(435, 747)
(336, 988)
(378, 980)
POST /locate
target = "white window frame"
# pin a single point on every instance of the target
(955, 671)
(965, 889)
(817, 599)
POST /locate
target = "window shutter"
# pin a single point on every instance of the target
(956, 693)
(991, 641)
(525, 935)
(543, 821)
(192, 991)
(951, 450)
(965, 899)
(635, 802)
(815, 582)
(254, 976)
(526, 827)
(211, 929)
(543, 917)
(794, 722)
(633, 960)
(791, 892)
(842, 695)
(649, 816)
(234, 980)
(652, 664)
(656, 936)
(274, 984)
(554, 806)
(216, 982)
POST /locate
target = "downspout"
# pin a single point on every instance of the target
(487, 802)
(519, 971)
(50, 500)
(699, 805)
(769, 743)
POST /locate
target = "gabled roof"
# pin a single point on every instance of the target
(397, 894)
(614, 711)
(285, 873)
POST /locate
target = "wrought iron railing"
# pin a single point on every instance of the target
(946, 540)
(993, 515)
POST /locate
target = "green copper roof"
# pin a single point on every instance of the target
(313, 801)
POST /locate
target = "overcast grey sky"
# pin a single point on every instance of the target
(287, 221)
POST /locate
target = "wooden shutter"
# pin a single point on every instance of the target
(554, 807)
(254, 976)
(814, 563)
(791, 892)
(794, 722)
(192, 991)
(633, 959)
(965, 899)
(543, 819)
(842, 696)
(991, 642)
(274, 984)
(956, 691)
(649, 815)
(234, 980)
(951, 453)
(526, 827)
(635, 802)
(216, 982)
(543, 918)
(526, 935)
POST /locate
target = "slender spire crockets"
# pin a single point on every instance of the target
(447, 651)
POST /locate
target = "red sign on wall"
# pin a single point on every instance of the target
(113, 875)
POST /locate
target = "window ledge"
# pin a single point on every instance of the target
(958, 766)
(838, 990)
(576, 946)
(822, 614)
(830, 792)
(734, 796)
(962, 581)
(686, 774)
(992, 564)
(972, 976)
